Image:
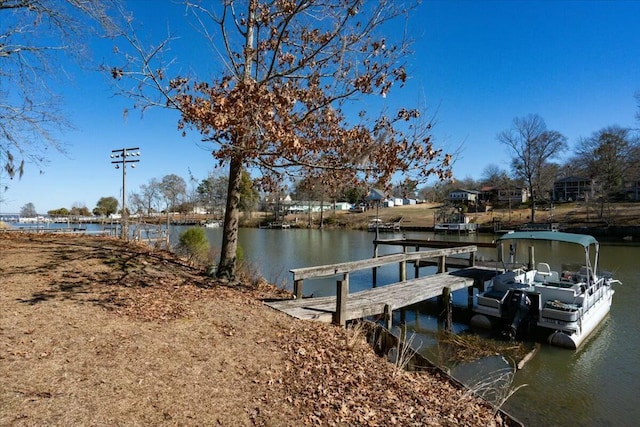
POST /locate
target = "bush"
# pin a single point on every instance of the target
(239, 253)
(194, 245)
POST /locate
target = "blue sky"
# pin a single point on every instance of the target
(477, 65)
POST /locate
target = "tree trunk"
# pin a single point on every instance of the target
(227, 265)
(228, 252)
(533, 211)
(533, 202)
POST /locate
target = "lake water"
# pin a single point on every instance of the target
(596, 385)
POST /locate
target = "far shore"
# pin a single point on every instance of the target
(614, 220)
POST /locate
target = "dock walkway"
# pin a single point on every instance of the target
(376, 301)
(345, 306)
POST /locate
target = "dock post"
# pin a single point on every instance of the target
(342, 293)
(446, 313)
(442, 264)
(388, 316)
(532, 258)
(416, 266)
(374, 273)
(297, 288)
(472, 259)
(403, 266)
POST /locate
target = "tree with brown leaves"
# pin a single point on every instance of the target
(292, 69)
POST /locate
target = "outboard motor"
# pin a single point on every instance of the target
(515, 310)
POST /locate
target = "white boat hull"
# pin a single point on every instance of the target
(590, 321)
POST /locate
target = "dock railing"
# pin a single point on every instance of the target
(345, 268)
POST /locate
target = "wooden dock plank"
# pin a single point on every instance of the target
(372, 301)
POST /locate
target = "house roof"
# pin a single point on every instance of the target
(573, 179)
(463, 190)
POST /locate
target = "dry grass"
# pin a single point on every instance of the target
(97, 332)
(496, 388)
(470, 347)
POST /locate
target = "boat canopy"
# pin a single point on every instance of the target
(579, 239)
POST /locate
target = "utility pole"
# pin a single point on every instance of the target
(121, 159)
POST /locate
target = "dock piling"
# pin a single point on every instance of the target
(447, 314)
(341, 302)
(403, 267)
(388, 316)
(374, 272)
(297, 288)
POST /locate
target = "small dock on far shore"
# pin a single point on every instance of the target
(383, 300)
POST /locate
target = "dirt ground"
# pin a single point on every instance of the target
(97, 332)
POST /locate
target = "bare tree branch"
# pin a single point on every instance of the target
(35, 35)
(532, 146)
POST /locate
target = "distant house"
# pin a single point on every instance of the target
(342, 206)
(489, 194)
(515, 195)
(572, 188)
(463, 196)
(312, 206)
(278, 201)
(504, 195)
(397, 201)
(198, 210)
(378, 196)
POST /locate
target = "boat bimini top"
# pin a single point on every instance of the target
(578, 239)
(583, 240)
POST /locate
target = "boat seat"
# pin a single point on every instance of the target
(544, 273)
(543, 269)
(550, 293)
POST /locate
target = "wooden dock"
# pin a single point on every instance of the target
(371, 302)
(345, 306)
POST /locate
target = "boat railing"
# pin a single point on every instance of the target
(597, 293)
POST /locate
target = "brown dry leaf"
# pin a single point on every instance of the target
(145, 351)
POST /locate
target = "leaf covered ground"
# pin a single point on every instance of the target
(94, 331)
